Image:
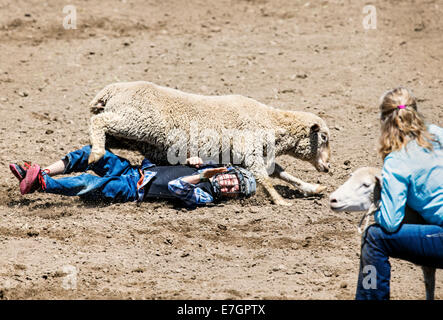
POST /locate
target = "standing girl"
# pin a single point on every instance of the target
(412, 175)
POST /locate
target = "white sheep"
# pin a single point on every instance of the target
(149, 115)
(361, 192)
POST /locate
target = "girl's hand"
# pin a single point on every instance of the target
(194, 162)
(209, 173)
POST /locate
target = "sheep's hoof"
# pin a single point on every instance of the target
(320, 189)
(313, 190)
(94, 157)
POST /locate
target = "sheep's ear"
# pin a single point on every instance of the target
(378, 180)
(377, 188)
(315, 128)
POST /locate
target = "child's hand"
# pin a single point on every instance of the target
(194, 162)
(209, 173)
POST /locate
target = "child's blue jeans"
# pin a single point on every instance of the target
(419, 244)
(116, 181)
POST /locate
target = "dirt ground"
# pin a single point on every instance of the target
(306, 55)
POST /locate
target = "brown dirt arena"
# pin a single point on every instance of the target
(302, 55)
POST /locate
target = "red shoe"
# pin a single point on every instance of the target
(18, 171)
(33, 180)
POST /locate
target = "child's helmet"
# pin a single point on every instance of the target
(245, 180)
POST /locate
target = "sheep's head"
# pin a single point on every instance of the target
(358, 192)
(313, 146)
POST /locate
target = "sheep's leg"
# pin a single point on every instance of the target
(265, 181)
(429, 276)
(100, 124)
(258, 169)
(275, 196)
(306, 188)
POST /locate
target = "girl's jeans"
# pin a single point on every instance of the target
(116, 180)
(419, 244)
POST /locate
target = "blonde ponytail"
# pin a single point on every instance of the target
(401, 122)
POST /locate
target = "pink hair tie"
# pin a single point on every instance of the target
(401, 107)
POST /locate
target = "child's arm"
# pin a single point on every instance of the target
(394, 194)
(186, 190)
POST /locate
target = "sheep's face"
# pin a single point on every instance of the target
(314, 148)
(358, 192)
